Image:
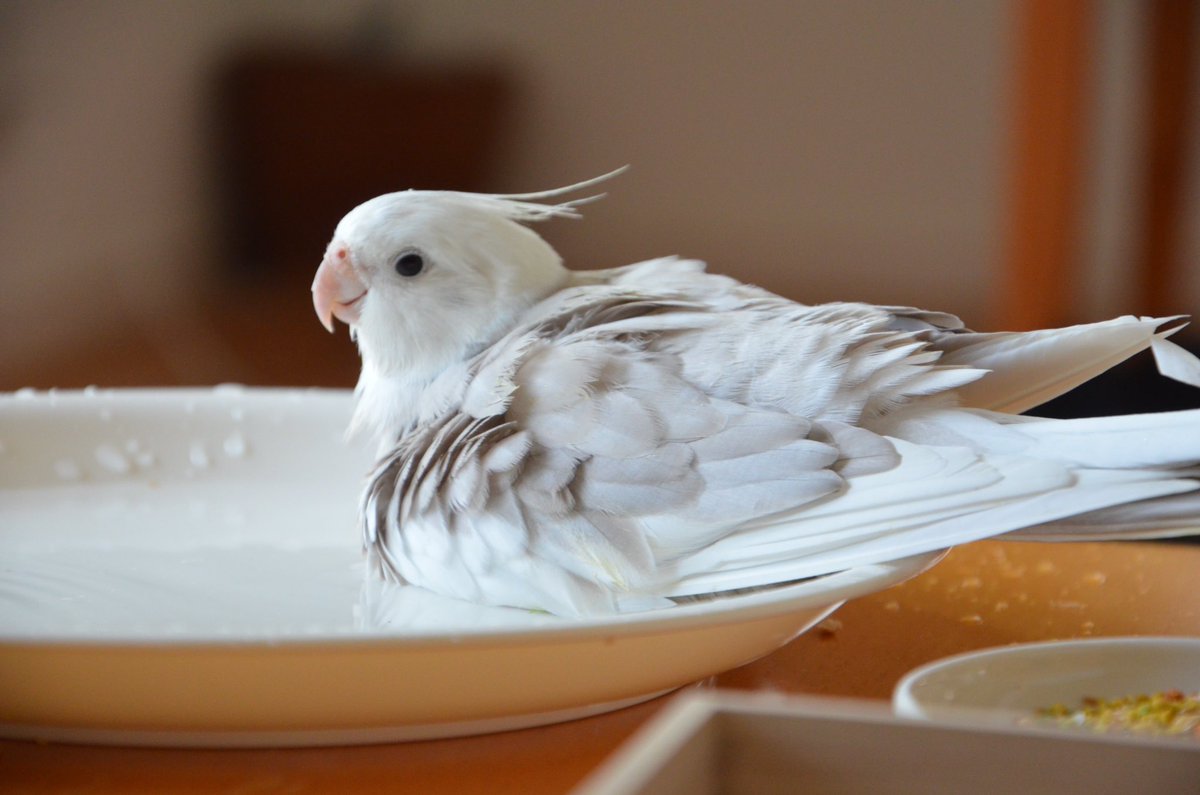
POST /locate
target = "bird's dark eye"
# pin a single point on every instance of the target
(410, 264)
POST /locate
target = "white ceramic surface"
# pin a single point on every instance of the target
(1010, 683)
(182, 567)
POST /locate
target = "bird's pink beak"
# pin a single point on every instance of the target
(337, 290)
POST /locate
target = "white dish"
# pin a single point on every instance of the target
(1010, 683)
(182, 567)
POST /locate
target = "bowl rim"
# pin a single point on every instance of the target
(905, 702)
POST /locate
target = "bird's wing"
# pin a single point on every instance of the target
(573, 438)
(597, 449)
(626, 441)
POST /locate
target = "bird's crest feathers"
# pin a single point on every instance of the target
(528, 207)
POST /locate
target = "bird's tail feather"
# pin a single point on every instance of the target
(1128, 441)
(1032, 367)
(1159, 443)
(745, 566)
(868, 524)
(969, 475)
(1159, 440)
(1165, 517)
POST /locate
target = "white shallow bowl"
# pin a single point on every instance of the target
(1010, 683)
(182, 567)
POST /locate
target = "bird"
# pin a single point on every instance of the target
(592, 442)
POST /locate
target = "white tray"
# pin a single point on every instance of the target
(759, 744)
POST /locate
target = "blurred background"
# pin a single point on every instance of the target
(170, 172)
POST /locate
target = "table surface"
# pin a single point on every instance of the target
(985, 594)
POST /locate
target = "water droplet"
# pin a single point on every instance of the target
(1045, 567)
(132, 445)
(1000, 606)
(66, 469)
(1095, 578)
(892, 606)
(971, 618)
(25, 393)
(971, 582)
(112, 459)
(229, 390)
(197, 455)
(234, 445)
(145, 459)
(90, 390)
(237, 413)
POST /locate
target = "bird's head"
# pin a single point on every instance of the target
(426, 278)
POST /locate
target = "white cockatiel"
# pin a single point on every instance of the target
(583, 442)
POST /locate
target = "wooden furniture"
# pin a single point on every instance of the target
(305, 135)
(1052, 94)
